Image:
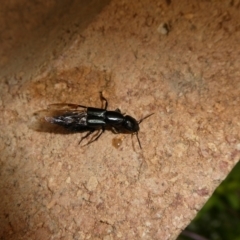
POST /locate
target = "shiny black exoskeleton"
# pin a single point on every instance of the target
(78, 118)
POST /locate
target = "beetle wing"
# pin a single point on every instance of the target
(60, 118)
(66, 107)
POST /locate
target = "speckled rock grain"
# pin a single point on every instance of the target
(188, 76)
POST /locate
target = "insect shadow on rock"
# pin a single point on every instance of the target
(70, 118)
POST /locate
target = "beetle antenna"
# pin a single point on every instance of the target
(149, 115)
(139, 143)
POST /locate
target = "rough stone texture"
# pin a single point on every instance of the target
(178, 59)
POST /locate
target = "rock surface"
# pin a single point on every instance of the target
(177, 60)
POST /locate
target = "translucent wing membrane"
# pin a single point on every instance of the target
(60, 118)
(65, 106)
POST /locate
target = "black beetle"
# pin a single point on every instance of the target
(79, 118)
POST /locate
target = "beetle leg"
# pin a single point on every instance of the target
(88, 134)
(118, 110)
(115, 130)
(97, 137)
(104, 99)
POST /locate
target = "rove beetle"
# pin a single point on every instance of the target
(79, 118)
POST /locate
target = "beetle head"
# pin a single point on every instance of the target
(132, 125)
